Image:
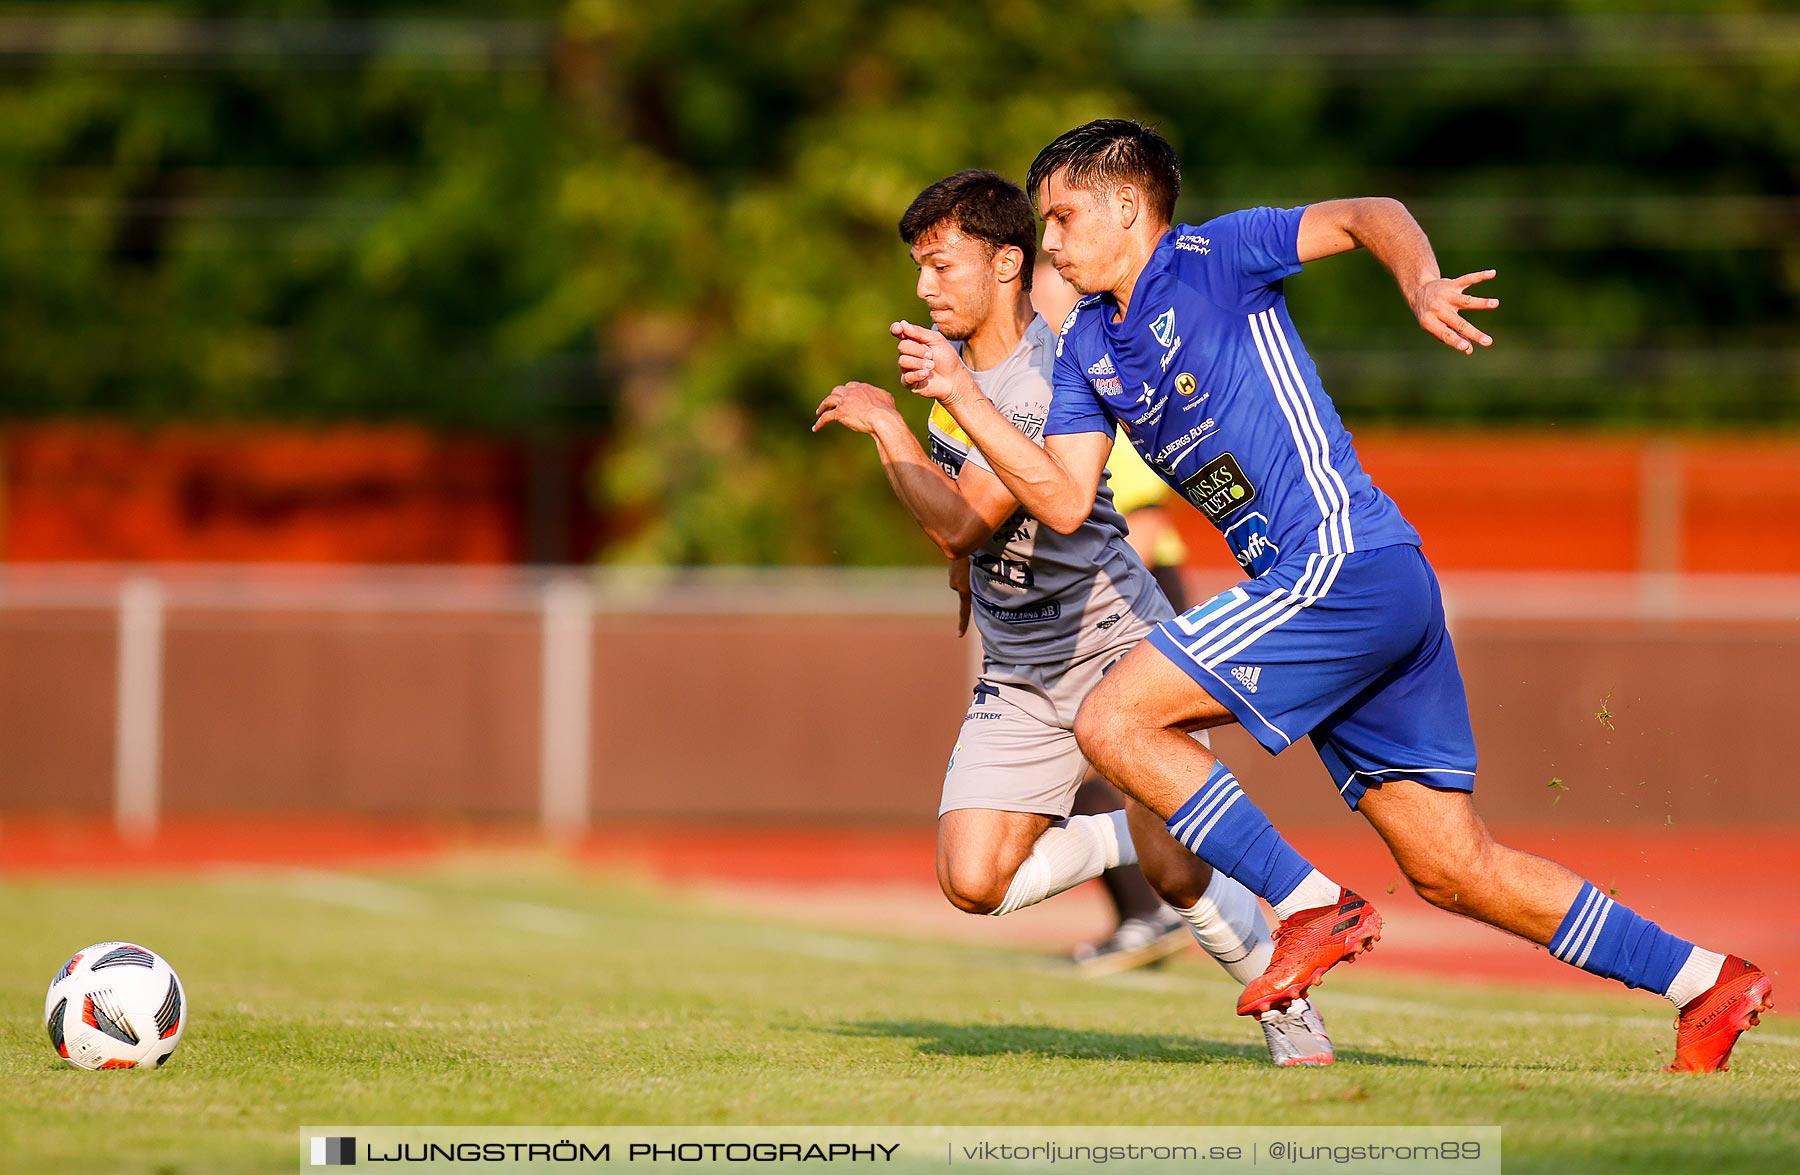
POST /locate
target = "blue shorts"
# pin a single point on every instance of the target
(1350, 649)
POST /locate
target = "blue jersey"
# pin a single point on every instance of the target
(1209, 379)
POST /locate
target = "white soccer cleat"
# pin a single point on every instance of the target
(1296, 1036)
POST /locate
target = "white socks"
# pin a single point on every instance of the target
(1314, 890)
(1228, 924)
(1700, 972)
(1068, 853)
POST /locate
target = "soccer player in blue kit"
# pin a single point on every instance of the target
(1184, 342)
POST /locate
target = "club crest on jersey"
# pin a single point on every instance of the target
(1162, 327)
(1219, 488)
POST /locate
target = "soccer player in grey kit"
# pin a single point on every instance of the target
(1055, 611)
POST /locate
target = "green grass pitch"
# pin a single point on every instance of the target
(512, 990)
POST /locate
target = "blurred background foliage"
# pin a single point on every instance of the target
(672, 224)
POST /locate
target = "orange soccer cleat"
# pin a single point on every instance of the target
(1711, 1022)
(1308, 944)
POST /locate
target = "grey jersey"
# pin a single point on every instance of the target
(1043, 597)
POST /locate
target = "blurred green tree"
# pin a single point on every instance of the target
(675, 222)
(283, 214)
(746, 169)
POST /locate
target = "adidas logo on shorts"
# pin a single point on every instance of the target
(1247, 676)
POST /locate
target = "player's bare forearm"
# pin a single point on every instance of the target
(1042, 484)
(927, 492)
(934, 500)
(1386, 229)
(1048, 490)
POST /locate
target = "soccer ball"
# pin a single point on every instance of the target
(115, 1005)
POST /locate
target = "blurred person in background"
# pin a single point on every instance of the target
(1055, 611)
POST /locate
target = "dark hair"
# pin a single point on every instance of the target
(1107, 152)
(984, 205)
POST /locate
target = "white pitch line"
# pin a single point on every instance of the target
(821, 946)
(357, 893)
(383, 897)
(541, 918)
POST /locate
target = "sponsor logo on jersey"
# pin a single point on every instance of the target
(1105, 376)
(1029, 423)
(1042, 612)
(1186, 384)
(1008, 573)
(1015, 529)
(1162, 327)
(1152, 412)
(1110, 621)
(1170, 455)
(1249, 540)
(945, 457)
(1219, 488)
(1193, 243)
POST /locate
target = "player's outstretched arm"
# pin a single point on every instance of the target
(958, 515)
(1385, 228)
(1056, 482)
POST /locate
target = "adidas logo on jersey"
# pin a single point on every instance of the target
(1104, 367)
(1247, 676)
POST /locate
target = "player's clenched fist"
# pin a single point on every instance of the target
(929, 365)
(1440, 302)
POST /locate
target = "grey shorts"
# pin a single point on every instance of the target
(1016, 751)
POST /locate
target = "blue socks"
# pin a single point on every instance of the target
(1606, 939)
(1222, 827)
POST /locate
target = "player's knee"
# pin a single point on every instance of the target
(1449, 879)
(1435, 887)
(1098, 731)
(973, 889)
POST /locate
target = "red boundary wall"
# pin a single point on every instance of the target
(1543, 502)
(383, 494)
